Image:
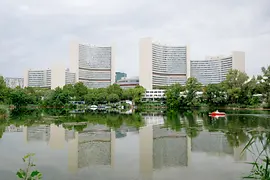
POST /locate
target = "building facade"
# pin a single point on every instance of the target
(154, 95)
(93, 65)
(162, 65)
(120, 75)
(14, 82)
(38, 78)
(50, 78)
(214, 69)
(126, 83)
(62, 76)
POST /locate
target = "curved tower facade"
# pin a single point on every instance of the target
(214, 69)
(94, 65)
(162, 65)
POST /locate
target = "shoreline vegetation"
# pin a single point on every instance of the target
(237, 91)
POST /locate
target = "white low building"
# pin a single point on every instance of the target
(152, 95)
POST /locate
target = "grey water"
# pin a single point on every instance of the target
(150, 146)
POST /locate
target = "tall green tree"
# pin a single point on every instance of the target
(20, 98)
(235, 79)
(137, 94)
(215, 95)
(115, 89)
(80, 90)
(173, 96)
(113, 98)
(3, 89)
(192, 87)
(265, 84)
(234, 83)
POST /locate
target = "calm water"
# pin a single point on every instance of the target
(186, 145)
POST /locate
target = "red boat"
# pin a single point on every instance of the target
(217, 113)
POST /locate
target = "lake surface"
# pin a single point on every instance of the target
(149, 146)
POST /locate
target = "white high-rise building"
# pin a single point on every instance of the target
(14, 82)
(38, 78)
(162, 65)
(214, 69)
(93, 65)
(50, 78)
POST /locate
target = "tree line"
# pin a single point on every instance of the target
(58, 97)
(238, 89)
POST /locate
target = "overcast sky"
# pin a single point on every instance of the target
(37, 33)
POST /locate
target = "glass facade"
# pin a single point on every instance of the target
(169, 64)
(95, 66)
(119, 75)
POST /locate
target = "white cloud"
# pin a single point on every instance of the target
(34, 34)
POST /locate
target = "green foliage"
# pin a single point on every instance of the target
(28, 174)
(265, 84)
(173, 96)
(80, 91)
(261, 164)
(192, 87)
(3, 90)
(113, 98)
(215, 95)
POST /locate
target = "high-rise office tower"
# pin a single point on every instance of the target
(93, 65)
(162, 65)
(214, 69)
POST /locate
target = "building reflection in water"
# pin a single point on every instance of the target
(94, 146)
(161, 147)
(216, 143)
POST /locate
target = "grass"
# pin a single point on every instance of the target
(261, 164)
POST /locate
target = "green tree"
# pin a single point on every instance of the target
(137, 93)
(235, 79)
(215, 95)
(265, 84)
(69, 90)
(19, 98)
(127, 94)
(102, 97)
(192, 87)
(234, 83)
(113, 98)
(247, 92)
(3, 90)
(115, 89)
(80, 90)
(173, 96)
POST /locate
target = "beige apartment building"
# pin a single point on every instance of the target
(161, 64)
(93, 65)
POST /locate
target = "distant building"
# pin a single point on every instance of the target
(214, 69)
(38, 78)
(162, 65)
(93, 65)
(61, 76)
(126, 83)
(50, 78)
(14, 82)
(119, 75)
(154, 95)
